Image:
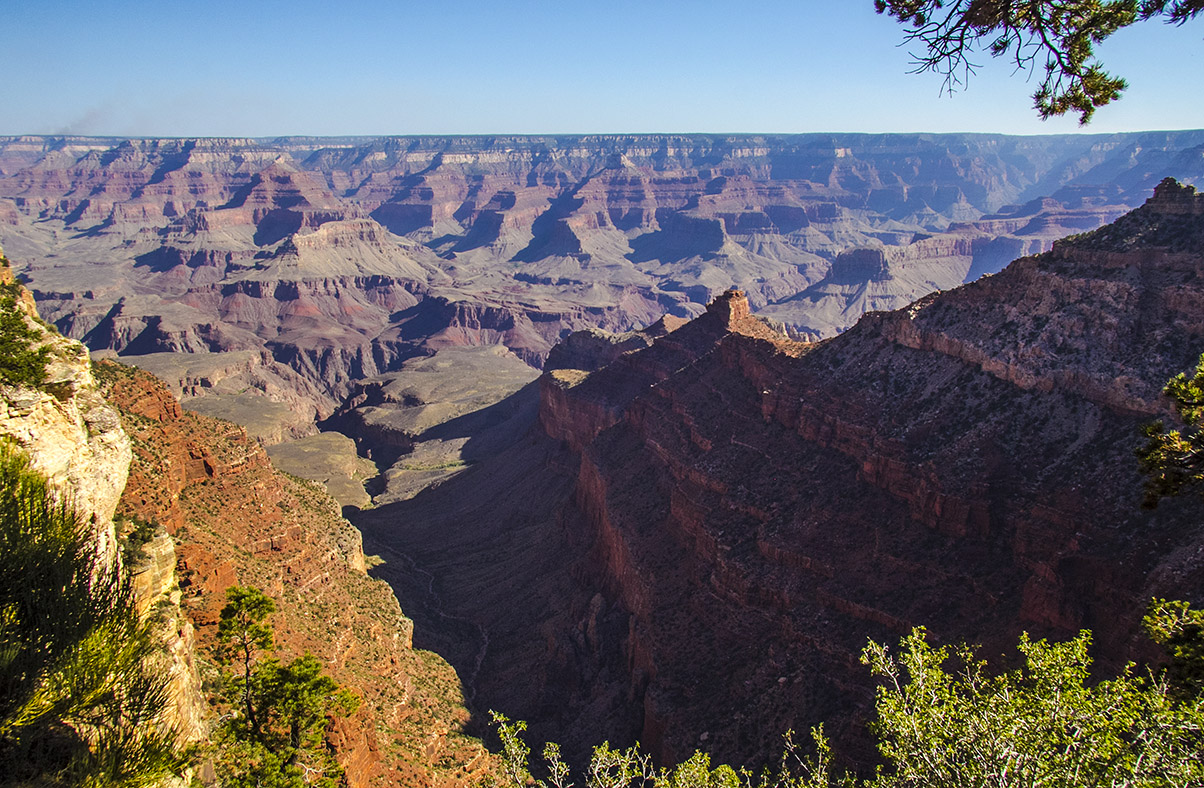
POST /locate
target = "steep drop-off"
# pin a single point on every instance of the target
(117, 443)
(75, 438)
(696, 543)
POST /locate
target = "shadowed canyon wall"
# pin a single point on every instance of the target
(705, 521)
(693, 545)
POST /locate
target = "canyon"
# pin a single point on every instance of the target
(328, 260)
(268, 281)
(214, 513)
(647, 434)
(692, 544)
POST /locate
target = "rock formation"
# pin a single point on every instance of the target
(326, 261)
(74, 437)
(695, 544)
(124, 447)
(70, 433)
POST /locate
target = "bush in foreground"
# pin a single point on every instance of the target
(945, 721)
(80, 705)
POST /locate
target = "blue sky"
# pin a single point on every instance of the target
(265, 68)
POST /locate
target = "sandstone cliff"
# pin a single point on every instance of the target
(75, 438)
(708, 528)
(126, 452)
(70, 433)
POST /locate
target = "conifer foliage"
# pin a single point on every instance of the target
(22, 360)
(1173, 459)
(274, 738)
(1056, 36)
(80, 701)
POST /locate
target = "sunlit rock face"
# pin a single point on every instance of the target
(75, 437)
(338, 259)
(70, 434)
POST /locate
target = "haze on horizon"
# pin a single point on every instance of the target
(375, 67)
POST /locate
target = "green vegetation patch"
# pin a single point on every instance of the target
(80, 701)
(22, 360)
(945, 721)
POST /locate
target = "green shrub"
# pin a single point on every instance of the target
(80, 705)
(274, 735)
(1046, 723)
(22, 360)
(945, 721)
(1173, 460)
(134, 536)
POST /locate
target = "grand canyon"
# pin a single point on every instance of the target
(644, 435)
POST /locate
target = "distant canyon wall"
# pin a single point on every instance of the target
(335, 259)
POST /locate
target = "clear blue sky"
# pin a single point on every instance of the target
(265, 68)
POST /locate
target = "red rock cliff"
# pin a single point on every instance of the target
(758, 508)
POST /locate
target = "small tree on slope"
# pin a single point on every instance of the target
(276, 739)
(1173, 460)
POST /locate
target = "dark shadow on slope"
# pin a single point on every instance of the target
(170, 163)
(485, 230)
(403, 218)
(551, 234)
(517, 413)
(680, 236)
(276, 225)
(487, 567)
(162, 259)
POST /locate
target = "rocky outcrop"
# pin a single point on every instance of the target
(70, 433)
(593, 349)
(986, 435)
(74, 437)
(158, 591)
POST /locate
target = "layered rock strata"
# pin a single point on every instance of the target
(238, 521)
(70, 433)
(728, 515)
(75, 437)
(336, 259)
